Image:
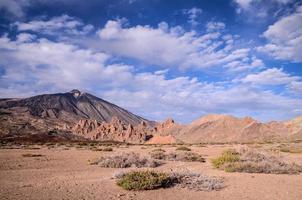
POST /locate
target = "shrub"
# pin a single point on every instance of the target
(125, 160)
(252, 161)
(158, 150)
(198, 182)
(183, 156)
(32, 155)
(107, 149)
(148, 180)
(291, 150)
(182, 148)
(158, 155)
(144, 180)
(227, 156)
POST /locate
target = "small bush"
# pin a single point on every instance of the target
(32, 155)
(125, 160)
(158, 155)
(197, 182)
(144, 180)
(158, 150)
(107, 149)
(183, 156)
(182, 148)
(227, 156)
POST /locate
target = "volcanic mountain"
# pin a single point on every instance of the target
(77, 115)
(61, 111)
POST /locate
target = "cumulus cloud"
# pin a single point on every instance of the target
(56, 26)
(272, 76)
(171, 46)
(285, 38)
(31, 66)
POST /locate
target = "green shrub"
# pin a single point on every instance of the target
(144, 180)
(228, 156)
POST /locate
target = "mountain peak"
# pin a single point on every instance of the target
(76, 92)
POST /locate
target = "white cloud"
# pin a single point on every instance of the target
(193, 14)
(273, 76)
(40, 65)
(56, 25)
(170, 46)
(260, 8)
(215, 26)
(285, 38)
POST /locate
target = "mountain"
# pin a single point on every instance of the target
(226, 128)
(77, 115)
(60, 112)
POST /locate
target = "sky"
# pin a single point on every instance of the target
(181, 59)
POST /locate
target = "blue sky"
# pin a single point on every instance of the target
(159, 59)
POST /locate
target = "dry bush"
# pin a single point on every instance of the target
(101, 149)
(32, 155)
(179, 156)
(158, 150)
(147, 180)
(252, 161)
(125, 160)
(185, 157)
(198, 182)
(183, 148)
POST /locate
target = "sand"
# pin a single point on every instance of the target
(64, 173)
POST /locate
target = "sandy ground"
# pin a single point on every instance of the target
(64, 173)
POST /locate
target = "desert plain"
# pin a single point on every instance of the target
(63, 171)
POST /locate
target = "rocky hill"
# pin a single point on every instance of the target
(226, 128)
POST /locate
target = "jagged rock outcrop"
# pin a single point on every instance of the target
(115, 130)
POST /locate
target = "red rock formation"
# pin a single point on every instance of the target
(115, 130)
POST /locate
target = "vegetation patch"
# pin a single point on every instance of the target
(144, 180)
(291, 149)
(101, 149)
(179, 156)
(228, 156)
(183, 148)
(125, 160)
(252, 161)
(32, 155)
(149, 180)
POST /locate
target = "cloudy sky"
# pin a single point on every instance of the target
(181, 59)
